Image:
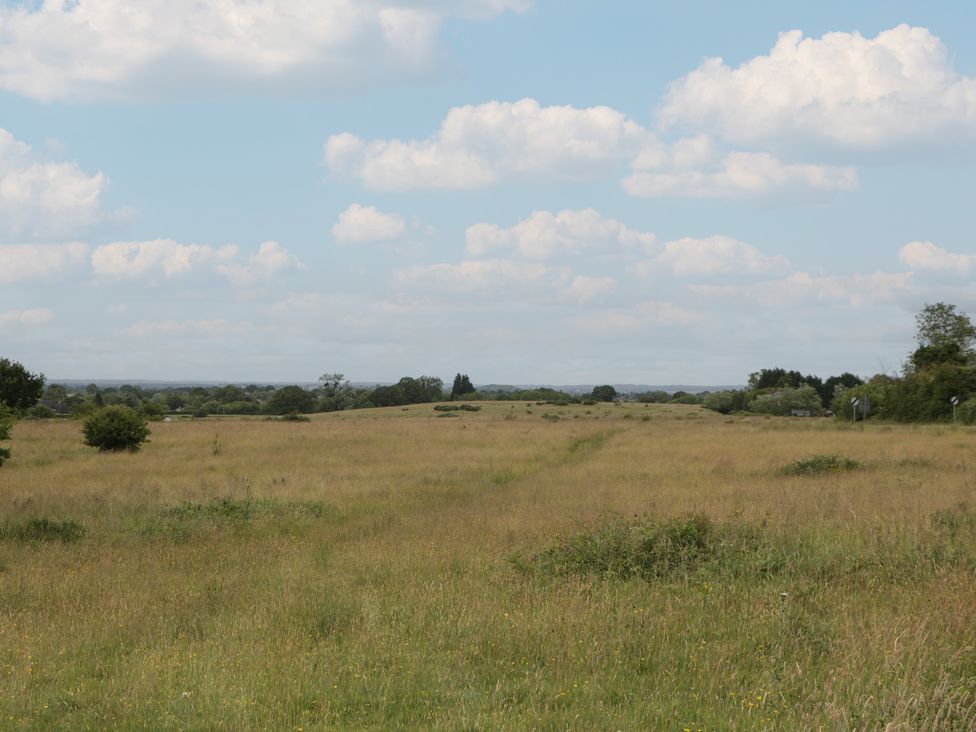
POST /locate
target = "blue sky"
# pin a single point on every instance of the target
(523, 191)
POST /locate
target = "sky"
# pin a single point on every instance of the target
(526, 191)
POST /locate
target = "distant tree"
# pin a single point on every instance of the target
(333, 383)
(99, 399)
(6, 420)
(114, 429)
(151, 410)
(387, 396)
(19, 388)
(421, 390)
(775, 378)
(845, 381)
(786, 399)
(726, 402)
(605, 393)
(462, 385)
(337, 393)
(940, 325)
(56, 392)
(289, 399)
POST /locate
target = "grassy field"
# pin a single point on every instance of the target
(524, 566)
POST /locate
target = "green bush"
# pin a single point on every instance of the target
(43, 529)
(39, 411)
(293, 417)
(116, 428)
(967, 411)
(817, 464)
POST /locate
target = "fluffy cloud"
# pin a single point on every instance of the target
(31, 261)
(84, 49)
(926, 256)
(738, 174)
(365, 224)
(270, 259)
(28, 318)
(499, 278)
(841, 88)
(801, 287)
(41, 198)
(711, 256)
(214, 328)
(137, 258)
(477, 146)
(585, 288)
(544, 235)
(164, 256)
(643, 316)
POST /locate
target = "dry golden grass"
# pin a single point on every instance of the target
(359, 574)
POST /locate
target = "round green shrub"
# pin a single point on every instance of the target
(115, 428)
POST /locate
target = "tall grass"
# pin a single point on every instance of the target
(389, 569)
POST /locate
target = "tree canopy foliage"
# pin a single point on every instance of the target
(462, 385)
(19, 388)
(115, 429)
(6, 420)
(604, 393)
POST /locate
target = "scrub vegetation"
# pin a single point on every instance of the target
(634, 566)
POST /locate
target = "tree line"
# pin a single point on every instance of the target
(936, 383)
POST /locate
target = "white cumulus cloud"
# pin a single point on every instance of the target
(137, 258)
(95, 49)
(585, 288)
(926, 256)
(712, 255)
(801, 287)
(696, 167)
(543, 235)
(642, 317)
(210, 329)
(480, 145)
(133, 259)
(40, 198)
(841, 88)
(33, 261)
(28, 318)
(366, 224)
(500, 278)
(270, 259)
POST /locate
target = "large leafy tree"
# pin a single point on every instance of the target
(944, 335)
(604, 393)
(462, 385)
(289, 399)
(19, 388)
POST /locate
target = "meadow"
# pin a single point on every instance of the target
(525, 566)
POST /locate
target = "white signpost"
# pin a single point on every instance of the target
(854, 403)
(954, 401)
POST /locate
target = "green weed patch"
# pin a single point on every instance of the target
(42, 529)
(672, 549)
(820, 464)
(182, 520)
